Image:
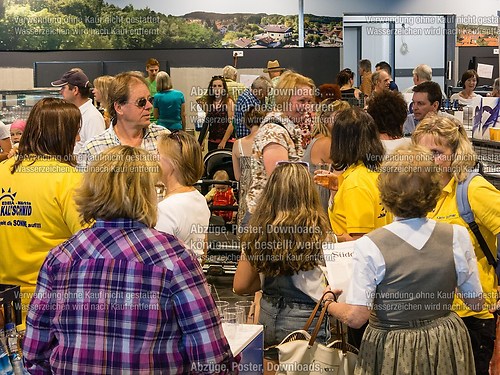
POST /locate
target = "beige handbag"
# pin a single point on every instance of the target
(299, 353)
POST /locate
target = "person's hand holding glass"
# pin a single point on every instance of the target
(323, 176)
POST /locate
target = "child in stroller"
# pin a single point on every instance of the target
(223, 244)
(222, 195)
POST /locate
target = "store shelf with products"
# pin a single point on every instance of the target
(488, 153)
(17, 104)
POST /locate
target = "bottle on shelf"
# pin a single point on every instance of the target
(13, 344)
(5, 366)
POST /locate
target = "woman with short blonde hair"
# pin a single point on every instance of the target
(119, 278)
(128, 192)
(290, 83)
(450, 133)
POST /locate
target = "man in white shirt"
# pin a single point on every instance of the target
(75, 88)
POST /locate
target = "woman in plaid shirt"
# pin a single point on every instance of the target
(121, 297)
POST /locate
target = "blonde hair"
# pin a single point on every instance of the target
(449, 132)
(289, 224)
(409, 182)
(163, 81)
(102, 84)
(287, 86)
(120, 183)
(184, 152)
(326, 109)
(230, 72)
(221, 175)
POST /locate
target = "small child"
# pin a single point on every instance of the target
(16, 131)
(222, 195)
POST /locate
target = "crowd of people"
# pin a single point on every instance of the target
(315, 165)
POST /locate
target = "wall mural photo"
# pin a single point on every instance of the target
(44, 25)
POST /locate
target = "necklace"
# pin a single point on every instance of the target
(169, 192)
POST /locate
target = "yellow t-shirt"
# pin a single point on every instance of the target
(37, 213)
(484, 200)
(356, 206)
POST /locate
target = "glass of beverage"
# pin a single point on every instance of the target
(321, 173)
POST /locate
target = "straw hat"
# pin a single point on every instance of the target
(273, 66)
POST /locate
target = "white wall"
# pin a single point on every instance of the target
(16, 78)
(459, 7)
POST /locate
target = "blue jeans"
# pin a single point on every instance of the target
(281, 318)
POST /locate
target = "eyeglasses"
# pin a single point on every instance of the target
(299, 162)
(142, 102)
(175, 135)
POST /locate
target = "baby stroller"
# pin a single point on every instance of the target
(223, 244)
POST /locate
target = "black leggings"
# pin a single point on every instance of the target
(482, 337)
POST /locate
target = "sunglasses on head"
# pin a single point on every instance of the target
(142, 102)
(175, 135)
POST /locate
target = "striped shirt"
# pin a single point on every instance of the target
(109, 139)
(124, 298)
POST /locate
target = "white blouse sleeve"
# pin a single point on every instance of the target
(368, 272)
(465, 262)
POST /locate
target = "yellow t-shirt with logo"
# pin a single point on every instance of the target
(356, 206)
(37, 213)
(484, 200)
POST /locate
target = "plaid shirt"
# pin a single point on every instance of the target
(109, 139)
(124, 298)
(246, 100)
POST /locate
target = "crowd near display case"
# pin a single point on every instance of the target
(17, 104)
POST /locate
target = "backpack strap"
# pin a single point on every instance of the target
(465, 211)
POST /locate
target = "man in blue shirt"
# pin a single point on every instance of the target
(255, 96)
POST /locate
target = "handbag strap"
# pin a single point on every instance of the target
(315, 310)
(320, 318)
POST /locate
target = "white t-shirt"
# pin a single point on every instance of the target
(92, 124)
(369, 264)
(186, 216)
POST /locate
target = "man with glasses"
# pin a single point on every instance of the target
(129, 106)
(75, 88)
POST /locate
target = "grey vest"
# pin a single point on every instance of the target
(418, 284)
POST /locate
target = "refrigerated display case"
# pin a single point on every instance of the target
(17, 104)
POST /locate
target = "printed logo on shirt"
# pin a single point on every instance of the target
(383, 212)
(15, 210)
